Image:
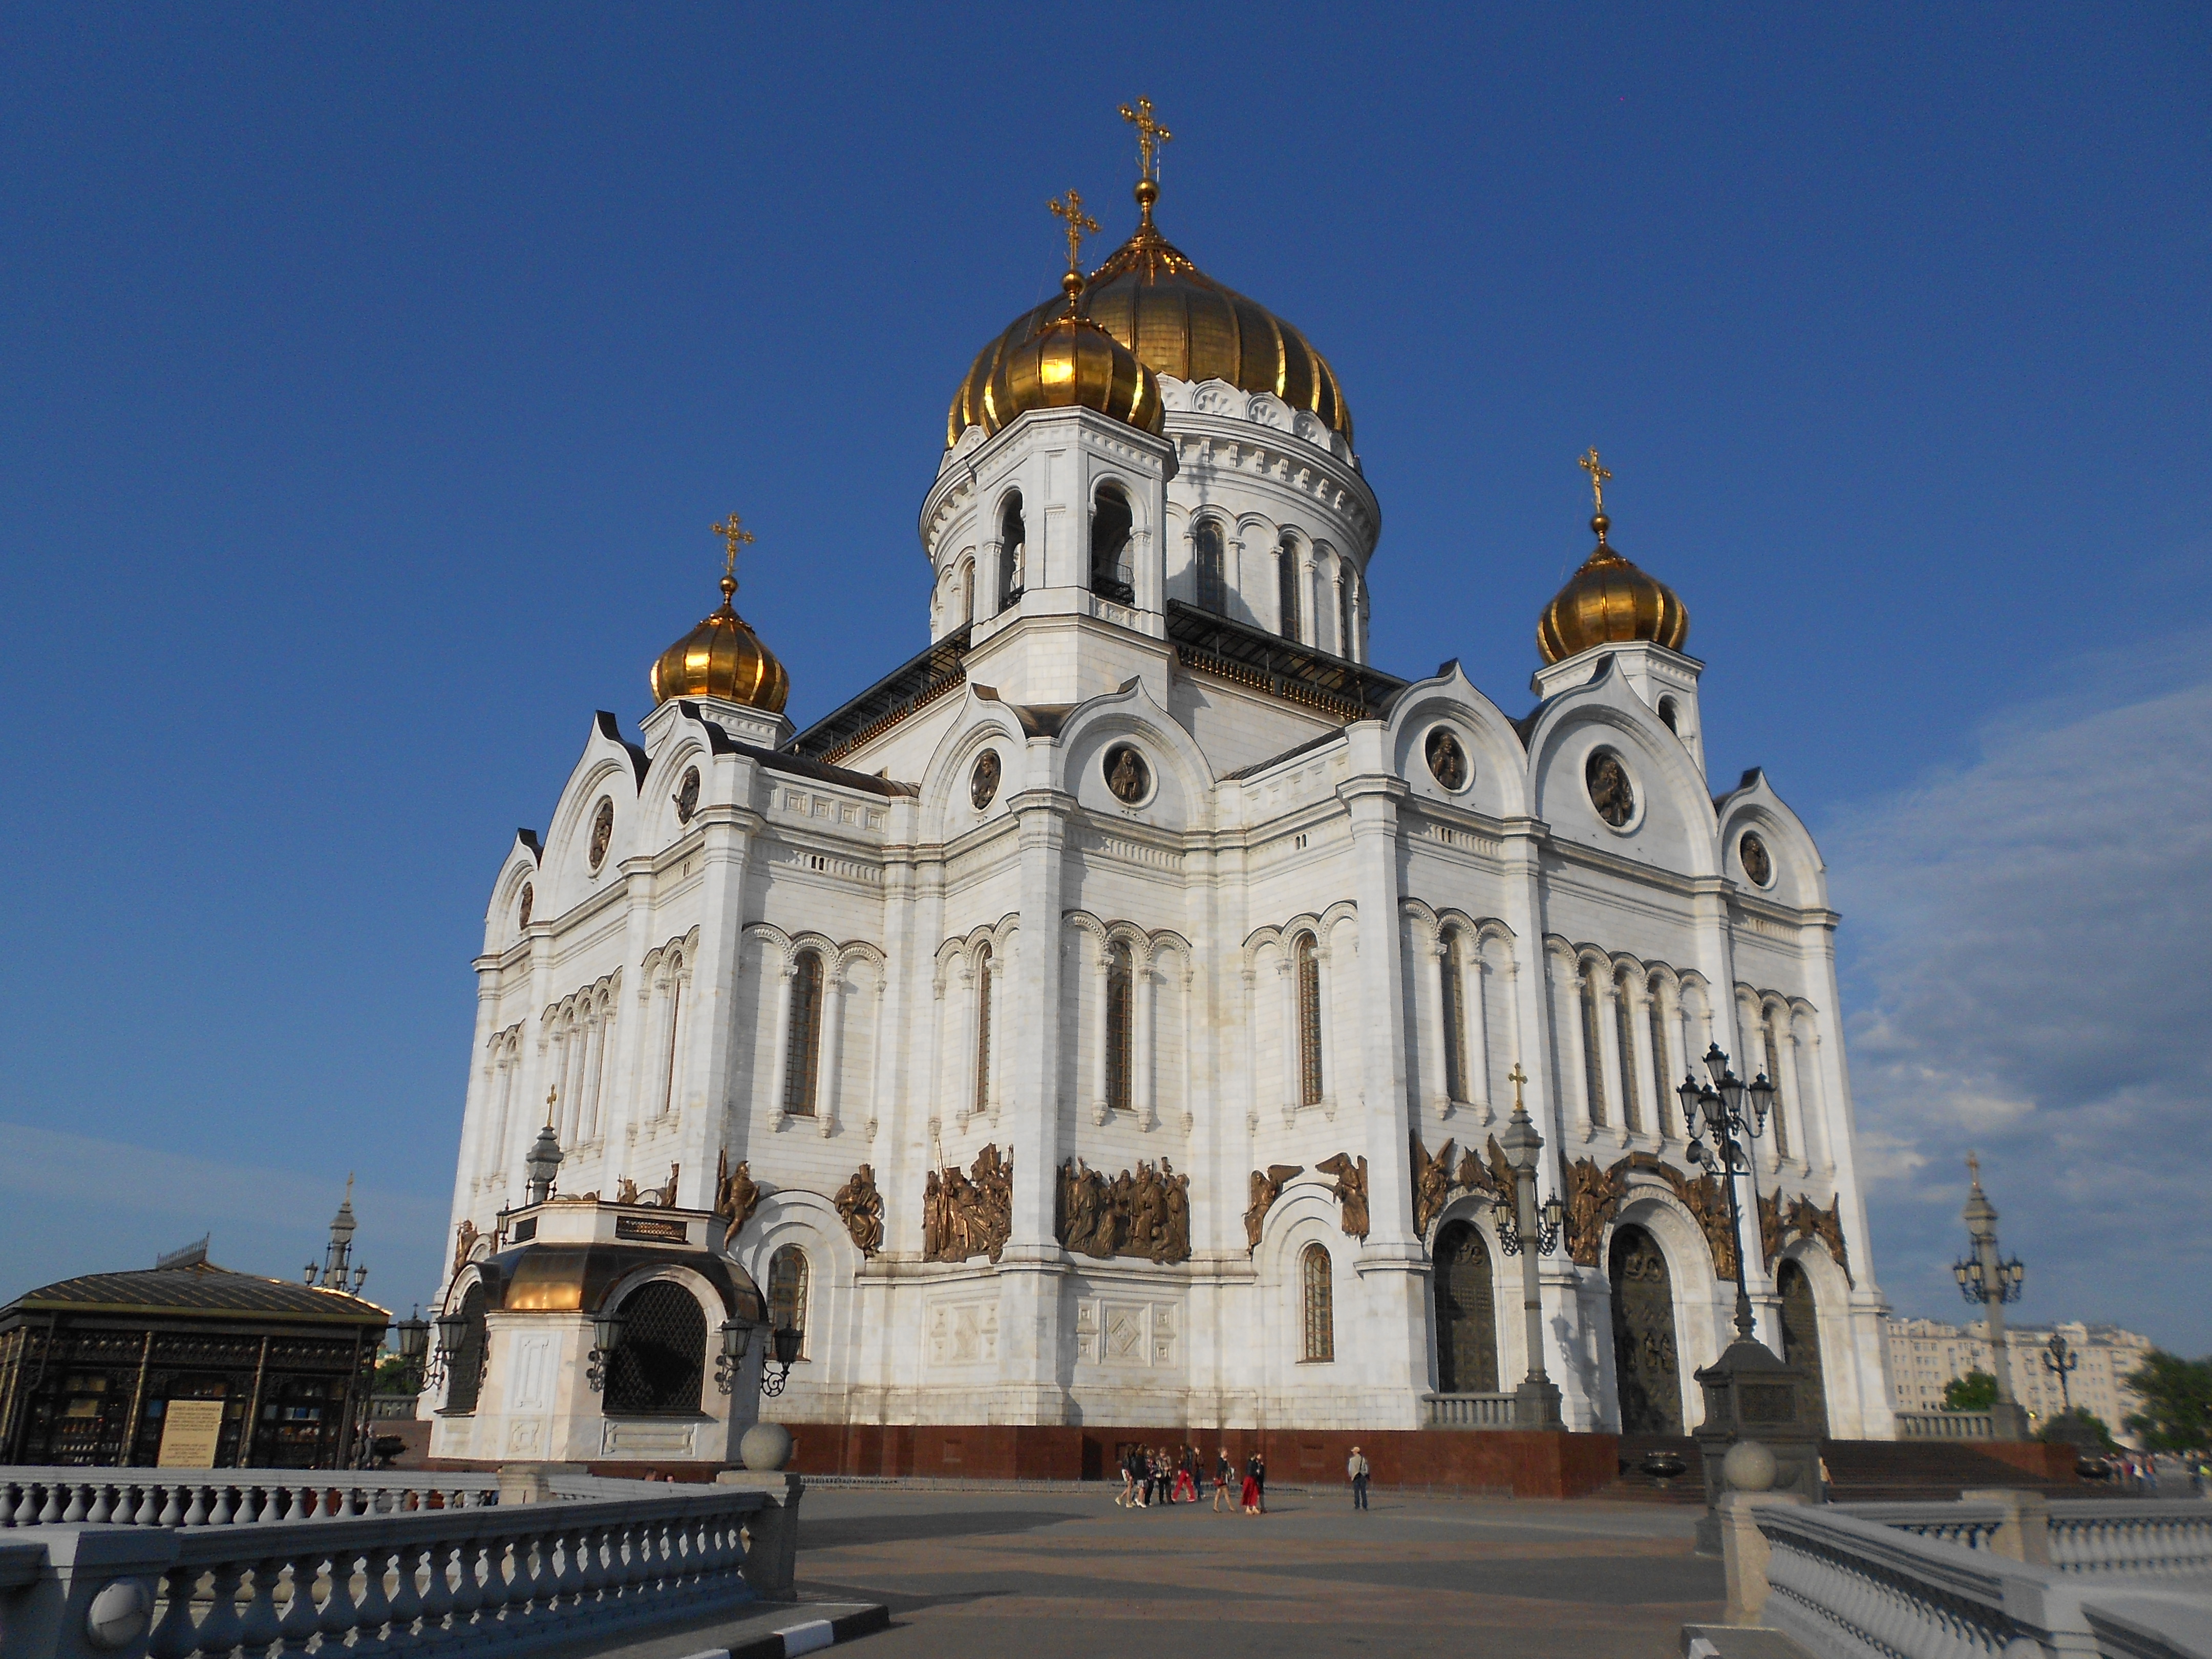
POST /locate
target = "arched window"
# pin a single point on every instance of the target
(1212, 572)
(1669, 714)
(1011, 554)
(1308, 988)
(1347, 610)
(673, 979)
(1663, 1063)
(1774, 1076)
(968, 592)
(982, 1026)
(788, 1280)
(1593, 1051)
(803, 1037)
(1454, 1011)
(657, 1369)
(1317, 1293)
(1121, 987)
(1286, 587)
(466, 1366)
(1111, 524)
(1631, 1113)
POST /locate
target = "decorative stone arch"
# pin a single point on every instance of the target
(1500, 784)
(609, 766)
(1653, 1207)
(1799, 875)
(714, 1309)
(1475, 1210)
(1604, 712)
(1184, 786)
(1304, 1214)
(948, 802)
(1830, 1289)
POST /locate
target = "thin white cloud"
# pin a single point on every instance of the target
(71, 1204)
(2024, 978)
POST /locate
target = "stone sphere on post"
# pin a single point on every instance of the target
(1748, 1467)
(765, 1446)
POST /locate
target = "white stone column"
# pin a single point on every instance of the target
(964, 1070)
(1294, 1041)
(1101, 964)
(1475, 973)
(1189, 1110)
(1251, 978)
(779, 1079)
(1434, 1043)
(990, 577)
(827, 1075)
(587, 1103)
(1140, 1045)
(1639, 1058)
(1332, 1085)
(934, 1075)
(1567, 978)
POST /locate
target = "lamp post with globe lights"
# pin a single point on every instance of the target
(1992, 1281)
(2062, 1363)
(1721, 1104)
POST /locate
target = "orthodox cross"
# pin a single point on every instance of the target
(1974, 1169)
(1598, 476)
(551, 1095)
(734, 535)
(1079, 222)
(1516, 1076)
(1151, 135)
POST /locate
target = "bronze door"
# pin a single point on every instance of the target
(1645, 1374)
(1800, 1341)
(1466, 1316)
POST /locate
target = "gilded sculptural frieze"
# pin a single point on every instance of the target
(862, 1207)
(1808, 1220)
(1265, 1188)
(661, 1197)
(1141, 1212)
(1436, 1179)
(1350, 1192)
(971, 1214)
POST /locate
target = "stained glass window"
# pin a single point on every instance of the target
(1319, 1296)
(1454, 1011)
(1120, 988)
(1309, 971)
(1774, 1076)
(1625, 1031)
(1662, 1067)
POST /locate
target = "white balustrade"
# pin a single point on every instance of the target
(32, 1497)
(1946, 1425)
(2161, 1537)
(1468, 1411)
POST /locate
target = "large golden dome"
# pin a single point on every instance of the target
(722, 657)
(1177, 320)
(1609, 602)
(1070, 362)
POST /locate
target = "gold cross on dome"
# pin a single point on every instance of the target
(1974, 1169)
(1598, 476)
(551, 1095)
(734, 535)
(1516, 1076)
(1151, 135)
(1079, 222)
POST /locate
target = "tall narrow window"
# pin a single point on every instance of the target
(1120, 988)
(968, 592)
(982, 1027)
(1286, 587)
(1110, 527)
(1624, 1019)
(1308, 968)
(1346, 610)
(1212, 575)
(1774, 1076)
(1454, 1013)
(675, 1029)
(803, 1037)
(1013, 555)
(1593, 1051)
(1662, 1066)
(788, 1277)
(1318, 1294)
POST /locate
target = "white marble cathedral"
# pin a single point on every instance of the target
(1104, 1018)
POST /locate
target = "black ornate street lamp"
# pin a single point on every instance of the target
(2062, 1364)
(737, 1339)
(606, 1337)
(1722, 1102)
(1991, 1280)
(787, 1346)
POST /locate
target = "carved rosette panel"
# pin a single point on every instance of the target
(970, 1214)
(1143, 1212)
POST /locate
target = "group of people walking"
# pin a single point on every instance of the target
(1161, 1475)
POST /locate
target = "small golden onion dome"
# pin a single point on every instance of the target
(722, 657)
(1071, 363)
(1609, 602)
(1177, 320)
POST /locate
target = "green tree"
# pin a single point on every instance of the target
(2055, 1429)
(392, 1375)
(2177, 1396)
(1977, 1391)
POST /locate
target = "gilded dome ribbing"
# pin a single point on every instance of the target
(1070, 362)
(722, 657)
(1177, 321)
(1609, 601)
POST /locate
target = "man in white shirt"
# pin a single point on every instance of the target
(1355, 1469)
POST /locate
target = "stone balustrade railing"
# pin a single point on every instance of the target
(1468, 1411)
(32, 1497)
(1848, 1585)
(426, 1580)
(1946, 1425)
(2160, 1537)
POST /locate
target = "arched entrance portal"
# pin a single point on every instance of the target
(1466, 1315)
(1645, 1375)
(1801, 1340)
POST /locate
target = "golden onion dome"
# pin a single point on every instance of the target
(722, 657)
(1177, 320)
(1070, 362)
(1610, 602)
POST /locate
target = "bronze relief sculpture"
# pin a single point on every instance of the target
(1350, 1192)
(736, 1194)
(1593, 1200)
(983, 782)
(1127, 775)
(464, 1241)
(1264, 1188)
(603, 831)
(1140, 1212)
(1610, 791)
(1435, 1179)
(687, 795)
(862, 1207)
(1447, 760)
(971, 1214)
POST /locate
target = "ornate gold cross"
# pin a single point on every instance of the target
(551, 1095)
(734, 535)
(1151, 135)
(1598, 476)
(1974, 1169)
(1516, 1076)
(1079, 222)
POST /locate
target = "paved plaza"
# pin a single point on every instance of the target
(1055, 1572)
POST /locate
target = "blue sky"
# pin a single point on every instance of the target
(374, 372)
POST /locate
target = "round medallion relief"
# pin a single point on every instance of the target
(1448, 760)
(1752, 851)
(603, 831)
(529, 898)
(687, 795)
(983, 781)
(1127, 775)
(1610, 791)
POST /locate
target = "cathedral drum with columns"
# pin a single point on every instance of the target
(1111, 1016)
